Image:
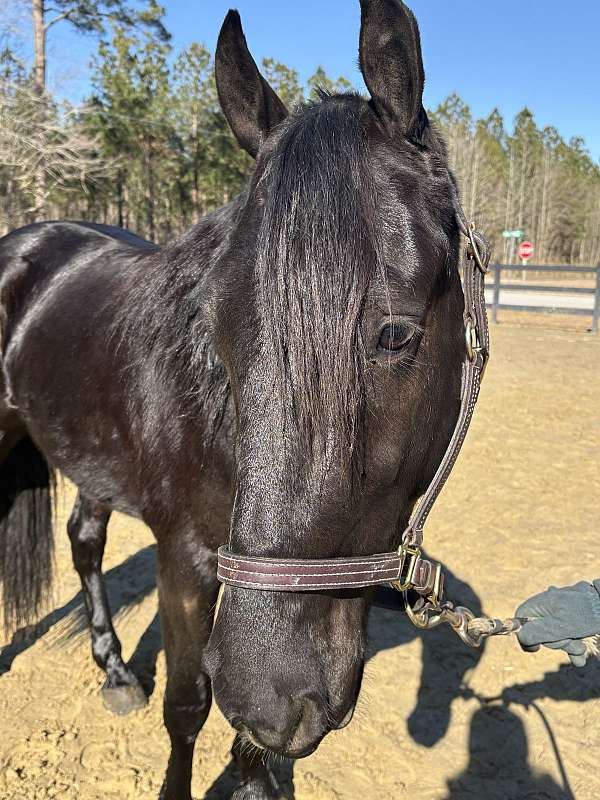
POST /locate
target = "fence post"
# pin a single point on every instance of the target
(496, 298)
(596, 311)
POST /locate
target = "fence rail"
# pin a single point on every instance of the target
(593, 309)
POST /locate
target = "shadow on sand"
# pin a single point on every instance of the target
(498, 744)
(445, 659)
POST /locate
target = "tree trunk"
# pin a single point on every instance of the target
(39, 46)
(126, 202)
(474, 177)
(39, 82)
(542, 244)
(508, 208)
(523, 165)
(150, 197)
(120, 200)
(196, 176)
(10, 192)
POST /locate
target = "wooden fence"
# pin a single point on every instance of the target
(592, 309)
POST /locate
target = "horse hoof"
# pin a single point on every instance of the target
(124, 699)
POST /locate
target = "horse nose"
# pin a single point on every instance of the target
(292, 729)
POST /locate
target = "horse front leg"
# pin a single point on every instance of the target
(87, 524)
(188, 591)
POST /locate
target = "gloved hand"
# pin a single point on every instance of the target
(561, 618)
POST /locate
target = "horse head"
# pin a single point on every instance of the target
(338, 315)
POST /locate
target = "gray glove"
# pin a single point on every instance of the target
(561, 618)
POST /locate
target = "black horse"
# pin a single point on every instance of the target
(285, 376)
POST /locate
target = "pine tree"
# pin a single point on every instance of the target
(86, 16)
(152, 151)
(285, 81)
(213, 166)
(132, 115)
(321, 81)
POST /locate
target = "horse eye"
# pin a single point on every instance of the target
(395, 336)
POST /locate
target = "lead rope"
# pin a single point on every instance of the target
(430, 610)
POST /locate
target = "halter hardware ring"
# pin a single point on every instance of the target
(472, 339)
(473, 250)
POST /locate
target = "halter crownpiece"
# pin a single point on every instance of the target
(405, 568)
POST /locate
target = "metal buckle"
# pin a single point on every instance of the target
(435, 596)
(410, 555)
(474, 347)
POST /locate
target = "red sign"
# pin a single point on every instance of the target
(525, 250)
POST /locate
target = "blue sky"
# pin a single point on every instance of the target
(541, 53)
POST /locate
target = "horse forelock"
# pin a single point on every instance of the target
(315, 259)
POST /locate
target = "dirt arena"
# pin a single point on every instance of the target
(434, 719)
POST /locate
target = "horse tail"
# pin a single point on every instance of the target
(26, 536)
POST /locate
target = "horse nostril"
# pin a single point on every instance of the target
(309, 728)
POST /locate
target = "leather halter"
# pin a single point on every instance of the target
(404, 568)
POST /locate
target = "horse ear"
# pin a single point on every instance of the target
(392, 66)
(252, 108)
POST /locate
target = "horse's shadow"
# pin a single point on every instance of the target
(445, 660)
(497, 735)
(127, 585)
(226, 783)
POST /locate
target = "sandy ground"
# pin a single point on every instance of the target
(434, 719)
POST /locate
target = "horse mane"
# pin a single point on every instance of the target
(167, 338)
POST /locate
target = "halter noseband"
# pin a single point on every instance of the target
(404, 568)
